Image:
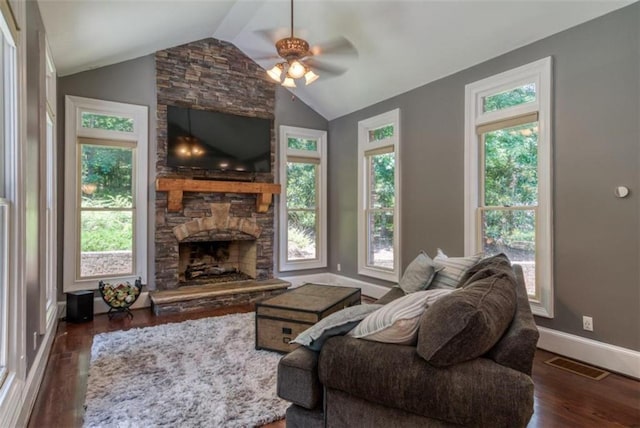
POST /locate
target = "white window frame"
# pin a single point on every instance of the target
(74, 107)
(364, 145)
(48, 185)
(13, 322)
(538, 72)
(320, 156)
(5, 292)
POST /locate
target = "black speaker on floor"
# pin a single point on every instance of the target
(80, 306)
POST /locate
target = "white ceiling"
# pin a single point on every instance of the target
(401, 44)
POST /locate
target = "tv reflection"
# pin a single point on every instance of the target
(193, 153)
(189, 147)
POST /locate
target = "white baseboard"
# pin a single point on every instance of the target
(368, 289)
(610, 357)
(10, 400)
(36, 374)
(62, 309)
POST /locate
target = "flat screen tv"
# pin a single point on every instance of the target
(217, 141)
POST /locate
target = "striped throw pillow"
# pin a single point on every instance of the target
(453, 270)
(397, 321)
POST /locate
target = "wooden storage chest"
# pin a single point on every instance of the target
(281, 318)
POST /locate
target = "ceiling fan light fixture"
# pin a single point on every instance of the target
(293, 51)
(296, 69)
(276, 73)
(310, 77)
(292, 47)
(289, 83)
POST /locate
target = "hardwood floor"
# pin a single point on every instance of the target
(562, 399)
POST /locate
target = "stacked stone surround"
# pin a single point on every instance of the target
(221, 226)
(219, 223)
(211, 75)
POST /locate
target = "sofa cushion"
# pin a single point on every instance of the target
(336, 324)
(452, 270)
(418, 274)
(486, 267)
(397, 322)
(298, 378)
(468, 322)
(346, 410)
(475, 393)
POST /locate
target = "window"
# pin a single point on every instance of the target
(10, 319)
(4, 287)
(4, 231)
(379, 196)
(109, 123)
(303, 202)
(48, 182)
(508, 174)
(106, 192)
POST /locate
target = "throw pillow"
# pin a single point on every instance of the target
(488, 266)
(453, 268)
(336, 324)
(418, 274)
(468, 322)
(397, 322)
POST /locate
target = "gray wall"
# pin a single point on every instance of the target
(290, 111)
(132, 82)
(596, 147)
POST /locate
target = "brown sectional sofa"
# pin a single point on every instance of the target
(359, 383)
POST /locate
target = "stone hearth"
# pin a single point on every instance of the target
(198, 298)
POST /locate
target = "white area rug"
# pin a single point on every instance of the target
(199, 373)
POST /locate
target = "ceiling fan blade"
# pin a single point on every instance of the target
(272, 35)
(323, 67)
(337, 46)
(263, 56)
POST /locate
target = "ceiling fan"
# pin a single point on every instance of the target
(298, 61)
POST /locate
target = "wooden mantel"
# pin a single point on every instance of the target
(177, 186)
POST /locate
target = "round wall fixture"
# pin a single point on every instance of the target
(622, 191)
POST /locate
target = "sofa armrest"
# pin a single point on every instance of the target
(479, 392)
(517, 347)
(298, 378)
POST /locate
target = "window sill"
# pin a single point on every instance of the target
(92, 283)
(541, 310)
(303, 265)
(384, 275)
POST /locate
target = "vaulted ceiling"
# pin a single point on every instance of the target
(401, 44)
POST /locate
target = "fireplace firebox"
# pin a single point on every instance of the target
(212, 262)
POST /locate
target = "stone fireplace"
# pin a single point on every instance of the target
(213, 247)
(219, 248)
(215, 243)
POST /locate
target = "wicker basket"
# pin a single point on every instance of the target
(119, 297)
